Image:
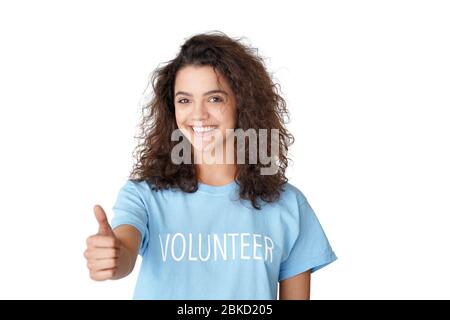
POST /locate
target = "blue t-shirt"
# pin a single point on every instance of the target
(213, 245)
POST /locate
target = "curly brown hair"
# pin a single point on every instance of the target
(258, 106)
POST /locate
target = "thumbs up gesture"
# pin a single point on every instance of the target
(103, 249)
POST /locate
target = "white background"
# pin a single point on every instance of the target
(368, 87)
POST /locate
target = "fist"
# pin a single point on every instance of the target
(103, 249)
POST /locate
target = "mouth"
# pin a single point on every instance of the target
(203, 131)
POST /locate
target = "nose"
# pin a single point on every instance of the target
(199, 112)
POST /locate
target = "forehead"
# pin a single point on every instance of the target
(200, 78)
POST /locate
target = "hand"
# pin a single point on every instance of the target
(103, 249)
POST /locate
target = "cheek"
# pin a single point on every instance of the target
(230, 118)
(180, 117)
(233, 117)
(226, 116)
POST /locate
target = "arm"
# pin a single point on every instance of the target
(129, 240)
(296, 287)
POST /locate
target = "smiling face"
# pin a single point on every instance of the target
(205, 106)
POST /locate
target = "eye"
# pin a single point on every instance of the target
(216, 99)
(183, 101)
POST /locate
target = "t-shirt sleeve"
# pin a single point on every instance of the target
(311, 249)
(130, 209)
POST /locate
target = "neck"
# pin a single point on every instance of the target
(216, 174)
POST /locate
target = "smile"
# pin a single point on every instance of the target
(203, 130)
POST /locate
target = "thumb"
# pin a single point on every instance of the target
(104, 228)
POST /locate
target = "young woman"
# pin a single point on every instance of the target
(215, 229)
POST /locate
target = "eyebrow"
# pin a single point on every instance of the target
(205, 94)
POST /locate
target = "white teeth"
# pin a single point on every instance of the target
(203, 129)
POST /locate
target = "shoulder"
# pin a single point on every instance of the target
(147, 191)
(136, 186)
(135, 189)
(292, 195)
(289, 205)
